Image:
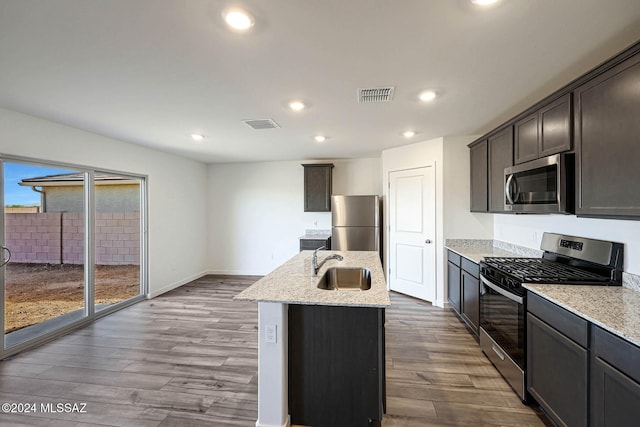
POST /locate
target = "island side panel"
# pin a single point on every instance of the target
(273, 342)
(336, 365)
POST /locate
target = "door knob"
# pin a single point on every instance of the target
(428, 241)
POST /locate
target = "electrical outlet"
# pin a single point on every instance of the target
(271, 334)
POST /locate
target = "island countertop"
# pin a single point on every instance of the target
(293, 283)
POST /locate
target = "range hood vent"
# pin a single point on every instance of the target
(259, 124)
(377, 94)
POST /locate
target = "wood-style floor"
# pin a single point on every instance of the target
(189, 358)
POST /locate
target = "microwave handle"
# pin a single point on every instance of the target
(501, 291)
(507, 189)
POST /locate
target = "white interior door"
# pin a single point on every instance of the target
(412, 232)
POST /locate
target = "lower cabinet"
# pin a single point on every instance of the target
(463, 289)
(471, 301)
(615, 380)
(577, 380)
(313, 244)
(453, 281)
(336, 365)
(557, 372)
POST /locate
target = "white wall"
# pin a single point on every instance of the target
(453, 219)
(526, 230)
(177, 189)
(256, 210)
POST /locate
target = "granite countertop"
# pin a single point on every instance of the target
(292, 282)
(613, 308)
(316, 235)
(477, 250)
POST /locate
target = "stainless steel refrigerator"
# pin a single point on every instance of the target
(355, 223)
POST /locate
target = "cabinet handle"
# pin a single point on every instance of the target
(428, 241)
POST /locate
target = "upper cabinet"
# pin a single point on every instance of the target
(489, 157)
(317, 187)
(544, 132)
(607, 128)
(598, 117)
(500, 157)
(479, 177)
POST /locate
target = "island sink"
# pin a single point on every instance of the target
(346, 279)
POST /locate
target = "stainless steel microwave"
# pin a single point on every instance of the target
(544, 185)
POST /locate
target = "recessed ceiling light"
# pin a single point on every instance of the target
(427, 95)
(296, 105)
(484, 2)
(408, 133)
(197, 137)
(238, 19)
(320, 138)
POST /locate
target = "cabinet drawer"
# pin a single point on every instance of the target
(454, 258)
(557, 317)
(470, 267)
(617, 352)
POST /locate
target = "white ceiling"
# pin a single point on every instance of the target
(152, 72)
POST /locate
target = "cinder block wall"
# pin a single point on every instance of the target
(58, 237)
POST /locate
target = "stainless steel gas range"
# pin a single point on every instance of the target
(566, 260)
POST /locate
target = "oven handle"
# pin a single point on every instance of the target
(501, 291)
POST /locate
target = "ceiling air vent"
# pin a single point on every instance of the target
(378, 94)
(259, 124)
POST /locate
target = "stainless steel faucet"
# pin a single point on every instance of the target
(314, 260)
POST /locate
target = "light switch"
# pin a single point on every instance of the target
(271, 334)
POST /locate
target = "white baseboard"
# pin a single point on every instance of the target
(236, 273)
(174, 285)
(287, 423)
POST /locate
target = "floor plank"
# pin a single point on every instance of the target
(189, 358)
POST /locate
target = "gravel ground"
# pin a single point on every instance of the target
(38, 292)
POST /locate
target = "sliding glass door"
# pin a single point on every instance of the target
(73, 242)
(118, 204)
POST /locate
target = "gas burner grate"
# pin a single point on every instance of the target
(539, 270)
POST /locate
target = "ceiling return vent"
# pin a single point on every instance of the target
(377, 94)
(259, 124)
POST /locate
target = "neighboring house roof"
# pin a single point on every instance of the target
(75, 178)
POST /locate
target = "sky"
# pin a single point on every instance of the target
(15, 194)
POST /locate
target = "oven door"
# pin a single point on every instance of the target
(502, 332)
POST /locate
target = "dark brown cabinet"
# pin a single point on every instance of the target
(557, 361)
(479, 177)
(607, 109)
(313, 244)
(471, 301)
(488, 160)
(453, 281)
(525, 144)
(544, 132)
(615, 380)
(463, 289)
(596, 116)
(470, 285)
(317, 187)
(336, 365)
(500, 157)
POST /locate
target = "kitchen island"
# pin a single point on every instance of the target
(293, 312)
